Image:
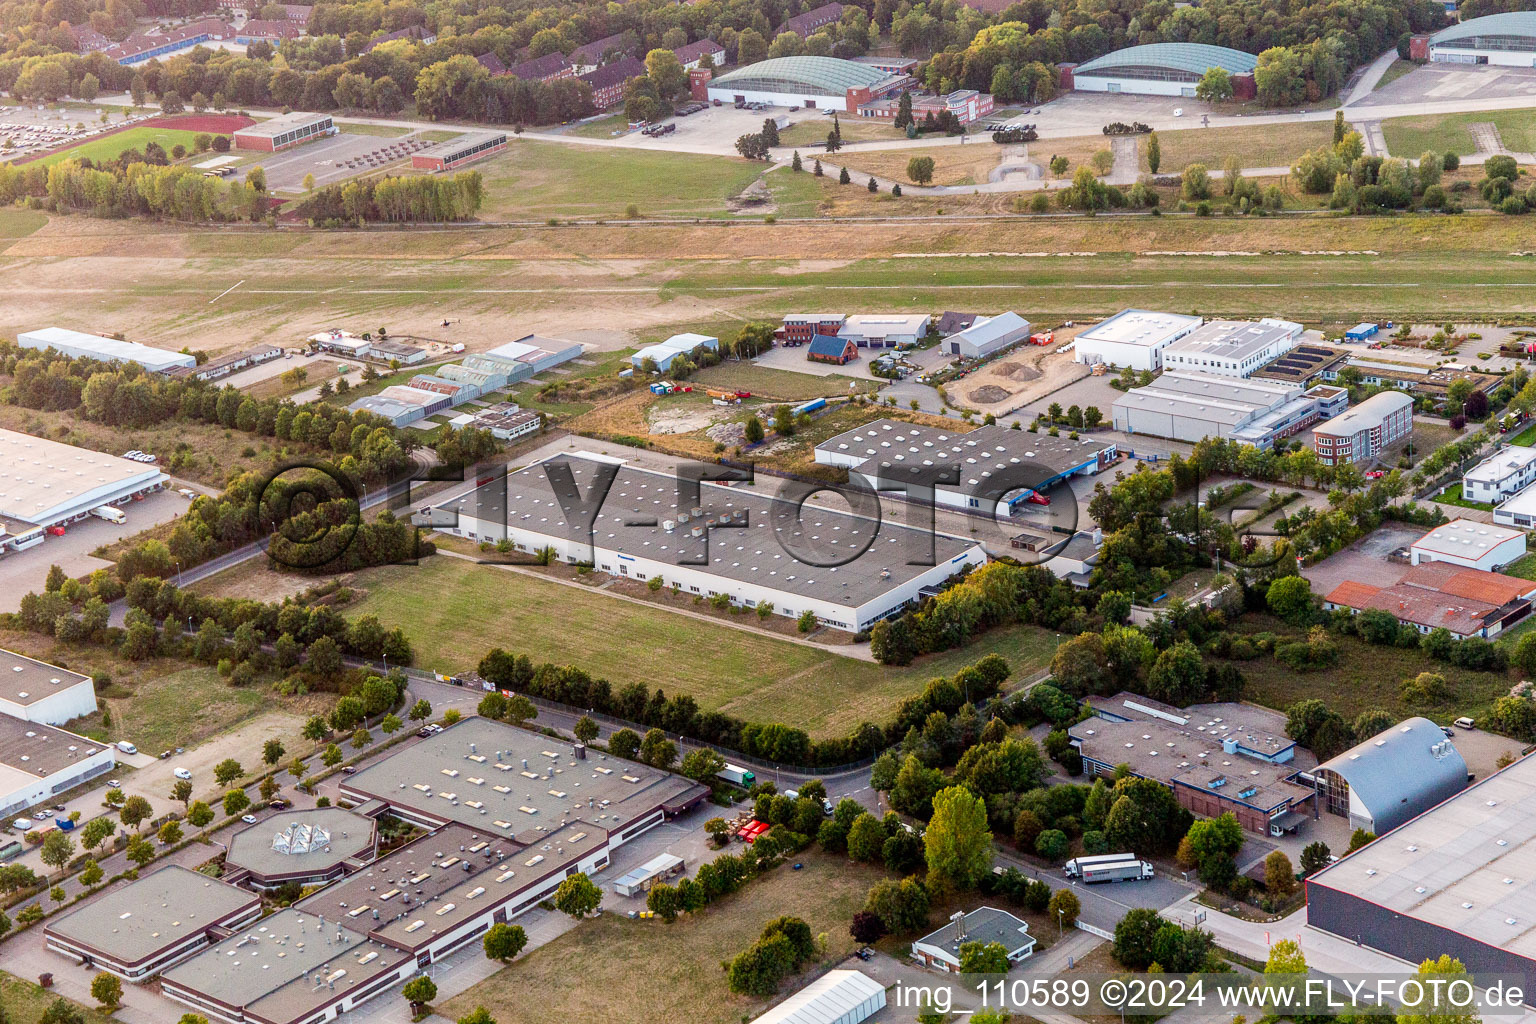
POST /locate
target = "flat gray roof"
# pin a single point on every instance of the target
(276, 126)
(25, 680)
(256, 848)
(135, 920)
(437, 882)
(40, 750)
(979, 452)
(1141, 327)
(504, 781)
(457, 145)
(1468, 864)
(1233, 339)
(984, 924)
(633, 516)
(270, 967)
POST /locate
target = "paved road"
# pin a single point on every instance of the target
(1104, 905)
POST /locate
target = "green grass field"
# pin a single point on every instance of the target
(454, 611)
(383, 131)
(1453, 496)
(552, 179)
(602, 128)
(21, 223)
(1366, 678)
(110, 146)
(1410, 136)
(649, 972)
(26, 1001)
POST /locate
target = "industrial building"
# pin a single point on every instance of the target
(301, 847)
(838, 997)
(1132, 337)
(993, 461)
(1399, 774)
(507, 421)
(1518, 510)
(1194, 406)
(664, 352)
(820, 83)
(1456, 880)
(848, 571)
(1469, 543)
(35, 691)
(510, 813)
(1443, 595)
(38, 762)
(142, 46)
(78, 345)
(1162, 69)
(1303, 366)
(220, 367)
(343, 343)
(884, 330)
(800, 328)
(284, 132)
(387, 350)
(46, 485)
(1507, 40)
(1231, 348)
(1501, 475)
(1431, 382)
(987, 335)
(143, 927)
(1217, 758)
(402, 404)
(940, 949)
(1362, 433)
(467, 148)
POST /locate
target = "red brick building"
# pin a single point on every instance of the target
(471, 146)
(547, 68)
(608, 81)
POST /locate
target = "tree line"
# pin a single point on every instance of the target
(415, 198)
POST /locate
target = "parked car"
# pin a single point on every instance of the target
(349, 769)
(182, 773)
(249, 819)
(279, 804)
(42, 815)
(114, 784)
(164, 754)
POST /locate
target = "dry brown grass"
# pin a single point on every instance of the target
(952, 165)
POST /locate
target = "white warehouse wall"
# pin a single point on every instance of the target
(56, 708)
(20, 790)
(1134, 86)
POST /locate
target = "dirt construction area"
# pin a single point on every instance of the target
(1018, 378)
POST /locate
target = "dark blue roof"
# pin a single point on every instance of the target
(828, 345)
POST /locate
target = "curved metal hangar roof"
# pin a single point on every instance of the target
(1514, 30)
(1191, 58)
(829, 76)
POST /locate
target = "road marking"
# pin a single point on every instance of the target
(226, 291)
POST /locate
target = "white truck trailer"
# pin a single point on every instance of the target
(737, 774)
(1109, 867)
(110, 514)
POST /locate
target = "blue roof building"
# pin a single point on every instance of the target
(1162, 69)
(1507, 39)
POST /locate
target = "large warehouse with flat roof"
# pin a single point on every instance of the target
(79, 345)
(511, 813)
(822, 83)
(847, 570)
(1132, 337)
(284, 132)
(1231, 348)
(1194, 406)
(47, 484)
(35, 691)
(38, 762)
(1459, 879)
(1162, 69)
(139, 929)
(883, 451)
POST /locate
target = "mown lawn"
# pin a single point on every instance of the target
(454, 611)
(1366, 678)
(1451, 133)
(553, 179)
(967, 164)
(108, 147)
(650, 972)
(26, 1001)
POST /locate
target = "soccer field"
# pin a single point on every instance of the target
(108, 147)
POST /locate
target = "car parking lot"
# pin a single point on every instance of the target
(24, 571)
(336, 159)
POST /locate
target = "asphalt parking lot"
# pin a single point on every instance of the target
(327, 159)
(1435, 82)
(24, 571)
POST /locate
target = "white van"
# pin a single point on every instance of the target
(126, 747)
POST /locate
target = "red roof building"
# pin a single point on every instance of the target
(608, 81)
(547, 68)
(810, 21)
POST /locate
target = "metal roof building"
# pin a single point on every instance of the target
(79, 345)
(1392, 777)
(308, 846)
(1163, 69)
(747, 543)
(38, 762)
(1470, 543)
(837, 997)
(1232, 348)
(1507, 39)
(827, 83)
(1194, 406)
(1132, 337)
(941, 948)
(47, 483)
(1457, 879)
(987, 335)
